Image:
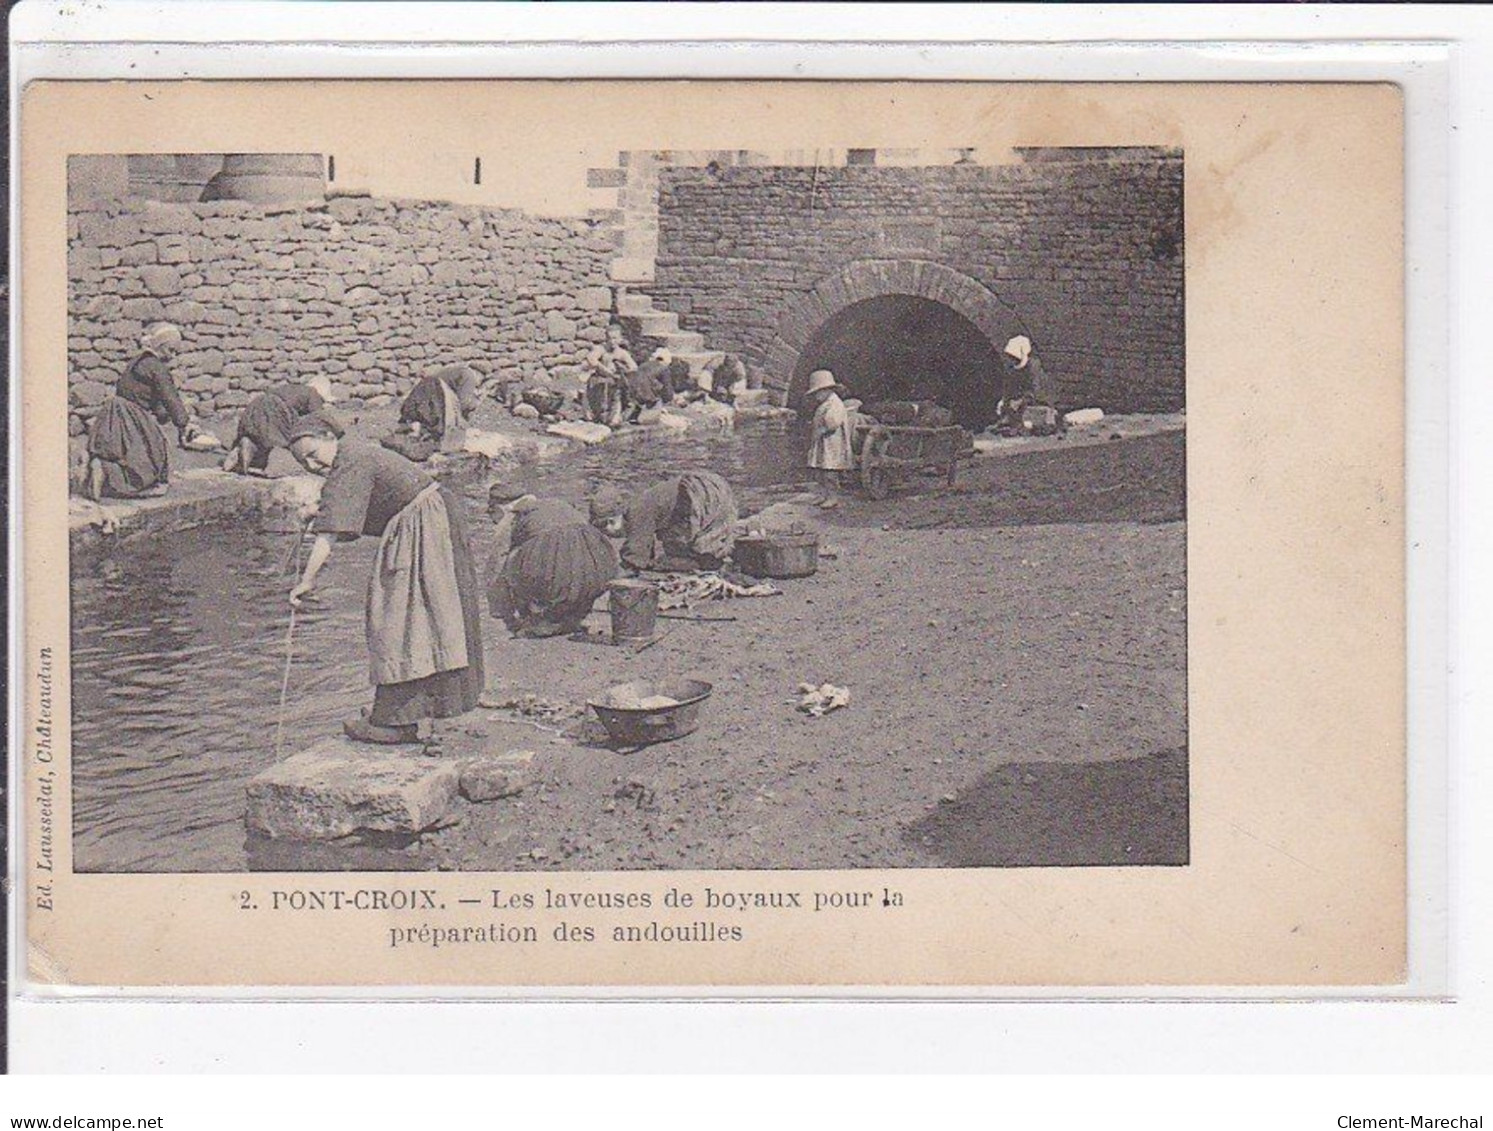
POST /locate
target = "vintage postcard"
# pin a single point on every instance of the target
(813, 536)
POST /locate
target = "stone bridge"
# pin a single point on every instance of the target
(909, 280)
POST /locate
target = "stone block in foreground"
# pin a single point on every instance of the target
(489, 777)
(339, 787)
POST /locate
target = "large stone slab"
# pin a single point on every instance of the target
(339, 787)
(584, 431)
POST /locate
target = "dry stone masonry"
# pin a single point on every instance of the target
(1083, 254)
(372, 292)
(1082, 251)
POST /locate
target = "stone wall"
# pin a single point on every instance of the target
(374, 293)
(1086, 257)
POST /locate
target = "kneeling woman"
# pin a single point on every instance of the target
(439, 406)
(127, 453)
(266, 421)
(1026, 384)
(680, 524)
(424, 614)
(556, 566)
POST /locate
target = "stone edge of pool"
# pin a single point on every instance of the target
(203, 495)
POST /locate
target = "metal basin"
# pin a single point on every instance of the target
(633, 726)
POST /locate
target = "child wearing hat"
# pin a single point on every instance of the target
(830, 452)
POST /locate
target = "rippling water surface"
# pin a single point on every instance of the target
(179, 649)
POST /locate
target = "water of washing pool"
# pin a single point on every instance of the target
(179, 650)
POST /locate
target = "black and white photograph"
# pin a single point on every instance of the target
(750, 538)
(814, 509)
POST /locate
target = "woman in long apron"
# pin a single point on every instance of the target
(128, 457)
(424, 620)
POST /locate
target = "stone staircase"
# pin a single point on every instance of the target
(649, 329)
(634, 210)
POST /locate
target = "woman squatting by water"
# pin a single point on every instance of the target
(681, 524)
(553, 569)
(267, 420)
(1026, 384)
(127, 453)
(423, 612)
(440, 405)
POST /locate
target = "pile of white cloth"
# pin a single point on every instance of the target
(682, 590)
(489, 444)
(821, 700)
(582, 430)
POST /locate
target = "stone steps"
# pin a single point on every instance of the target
(681, 342)
(657, 328)
(633, 306)
(661, 328)
(657, 323)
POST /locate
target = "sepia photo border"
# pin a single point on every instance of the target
(1193, 517)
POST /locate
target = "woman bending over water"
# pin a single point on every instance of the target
(127, 453)
(266, 421)
(555, 567)
(423, 613)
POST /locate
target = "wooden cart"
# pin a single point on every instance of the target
(890, 454)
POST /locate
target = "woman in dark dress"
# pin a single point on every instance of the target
(266, 421)
(424, 618)
(1026, 385)
(683, 523)
(556, 566)
(437, 408)
(127, 453)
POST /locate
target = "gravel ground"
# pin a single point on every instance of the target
(1016, 653)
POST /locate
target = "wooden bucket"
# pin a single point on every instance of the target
(634, 607)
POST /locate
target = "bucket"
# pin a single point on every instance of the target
(778, 555)
(634, 606)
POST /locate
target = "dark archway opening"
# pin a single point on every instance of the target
(902, 347)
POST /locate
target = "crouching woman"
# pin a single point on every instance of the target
(555, 568)
(424, 619)
(681, 524)
(127, 453)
